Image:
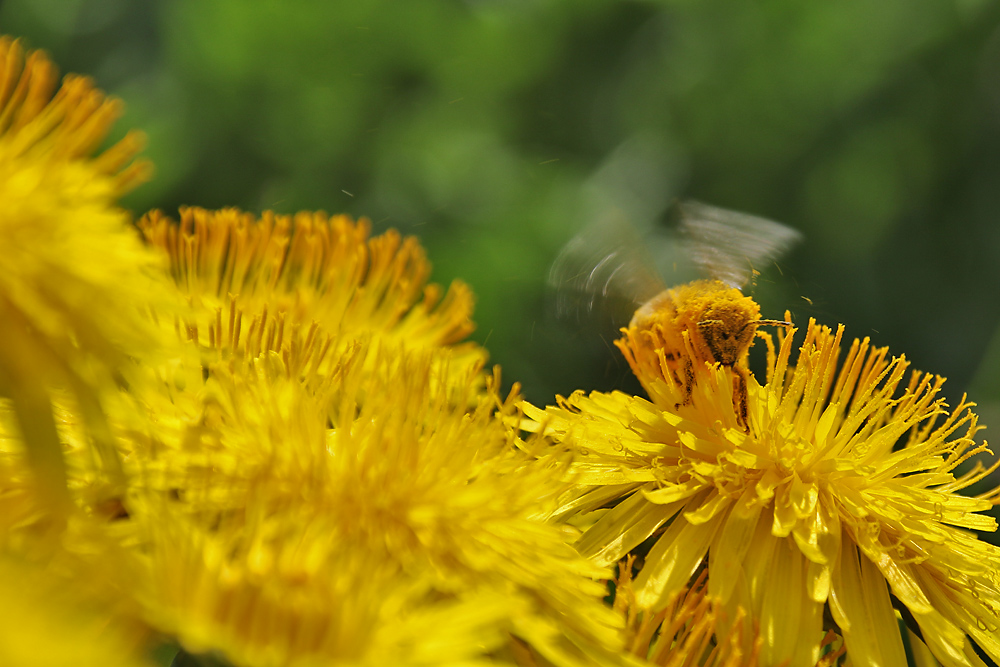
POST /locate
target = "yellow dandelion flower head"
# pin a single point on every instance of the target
(819, 487)
(308, 281)
(74, 274)
(279, 540)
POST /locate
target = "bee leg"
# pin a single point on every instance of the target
(688, 382)
(740, 401)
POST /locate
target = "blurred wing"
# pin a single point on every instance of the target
(728, 245)
(603, 269)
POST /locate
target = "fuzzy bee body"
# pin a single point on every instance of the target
(688, 326)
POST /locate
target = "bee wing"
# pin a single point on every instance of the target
(603, 269)
(727, 245)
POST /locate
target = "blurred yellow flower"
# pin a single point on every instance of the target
(44, 623)
(411, 532)
(307, 289)
(837, 488)
(74, 274)
(306, 285)
(414, 533)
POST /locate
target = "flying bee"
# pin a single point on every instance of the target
(672, 329)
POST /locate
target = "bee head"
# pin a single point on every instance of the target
(727, 328)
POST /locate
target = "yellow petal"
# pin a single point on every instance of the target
(594, 498)
(673, 492)
(709, 509)
(623, 528)
(945, 639)
(790, 623)
(673, 559)
(859, 600)
(726, 557)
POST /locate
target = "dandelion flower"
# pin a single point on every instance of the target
(836, 488)
(307, 288)
(305, 282)
(414, 533)
(74, 274)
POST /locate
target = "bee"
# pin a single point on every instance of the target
(706, 320)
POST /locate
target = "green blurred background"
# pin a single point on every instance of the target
(495, 130)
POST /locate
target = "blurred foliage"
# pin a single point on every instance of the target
(497, 129)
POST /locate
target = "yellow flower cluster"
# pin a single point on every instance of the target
(264, 438)
(267, 440)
